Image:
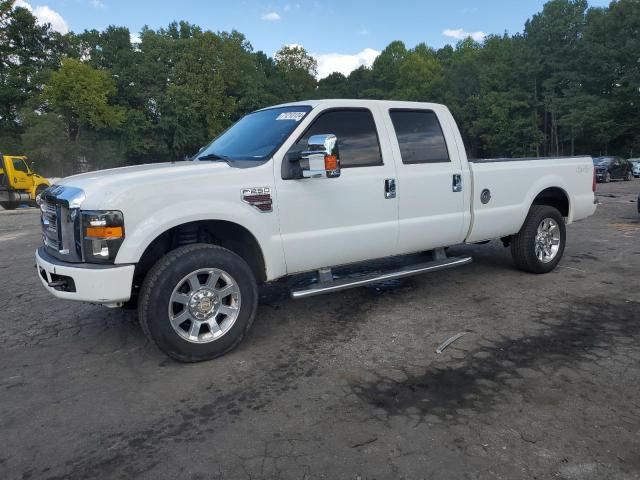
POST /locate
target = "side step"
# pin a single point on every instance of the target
(359, 280)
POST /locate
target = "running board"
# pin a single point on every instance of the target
(359, 280)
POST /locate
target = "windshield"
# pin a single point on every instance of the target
(601, 161)
(255, 136)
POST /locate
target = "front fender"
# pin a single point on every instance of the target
(263, 226)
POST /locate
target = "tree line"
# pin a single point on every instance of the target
(568, 84)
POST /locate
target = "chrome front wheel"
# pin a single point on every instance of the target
(204, 305)
(547, 241)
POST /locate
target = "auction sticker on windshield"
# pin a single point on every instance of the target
(296, 116)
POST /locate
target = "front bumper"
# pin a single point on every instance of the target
(85, 282)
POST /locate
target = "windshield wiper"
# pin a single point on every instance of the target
(213, 156)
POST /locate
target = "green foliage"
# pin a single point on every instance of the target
(46, 141)
(569, 84)
(297, 70)
(28, 52)
(80, 94)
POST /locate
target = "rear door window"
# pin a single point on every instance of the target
(420, 136)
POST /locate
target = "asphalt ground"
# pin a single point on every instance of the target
(545, 384)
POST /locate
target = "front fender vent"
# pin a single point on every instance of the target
(259, 197)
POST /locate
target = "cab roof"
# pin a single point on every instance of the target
(342, 102)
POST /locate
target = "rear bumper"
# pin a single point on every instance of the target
(103, 284)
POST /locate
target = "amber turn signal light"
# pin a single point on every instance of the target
(104, 232)
(330, 162)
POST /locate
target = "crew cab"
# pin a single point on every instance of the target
(297, 188)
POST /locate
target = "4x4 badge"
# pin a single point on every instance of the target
(259, 197)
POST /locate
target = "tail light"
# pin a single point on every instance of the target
(593, 185)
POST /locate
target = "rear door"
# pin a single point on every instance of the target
(430, 181)
(332, 221)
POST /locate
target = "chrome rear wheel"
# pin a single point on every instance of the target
(539, 245)
(547, 240)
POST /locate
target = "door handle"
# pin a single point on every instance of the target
(457, 183)
(390, 188)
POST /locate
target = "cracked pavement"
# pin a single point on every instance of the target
(546, 384)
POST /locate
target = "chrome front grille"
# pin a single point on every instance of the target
(60, 219)
(50, 225)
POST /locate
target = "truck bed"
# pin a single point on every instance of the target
(513, 185)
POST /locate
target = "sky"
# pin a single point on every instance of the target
(342, 35)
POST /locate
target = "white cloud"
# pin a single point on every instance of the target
(271, 17)
(45, 15)
(364, 31)
(287, 7)
(460, 34)
(134, 38)
(97, 4)
(344, 63)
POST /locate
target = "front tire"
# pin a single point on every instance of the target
(198, 302)
(539, 245)
(607, 178)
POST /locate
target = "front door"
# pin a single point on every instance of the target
(333, 221)
(19, 176)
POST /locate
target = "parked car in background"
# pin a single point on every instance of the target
(635, 165)
(612, 168)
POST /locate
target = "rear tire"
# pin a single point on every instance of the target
(9, 205)
(539, 245)
(192, 282)
(628, 177)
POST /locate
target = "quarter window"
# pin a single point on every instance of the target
(420, 136)
(357, 136)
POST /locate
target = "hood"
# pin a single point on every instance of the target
(102, 185)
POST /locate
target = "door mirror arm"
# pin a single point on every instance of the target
(291, 168)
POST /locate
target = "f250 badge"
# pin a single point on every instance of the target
(259, 197)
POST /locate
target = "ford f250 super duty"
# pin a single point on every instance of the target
(293, 189)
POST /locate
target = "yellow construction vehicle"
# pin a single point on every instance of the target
(18, 182)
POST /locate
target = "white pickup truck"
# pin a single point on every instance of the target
(302, 187)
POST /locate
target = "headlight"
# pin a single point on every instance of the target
(102, 235)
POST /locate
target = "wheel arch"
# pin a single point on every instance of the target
(556, 197)
(224, 233)
(552, 196)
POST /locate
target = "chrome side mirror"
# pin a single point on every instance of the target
(321, 159)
